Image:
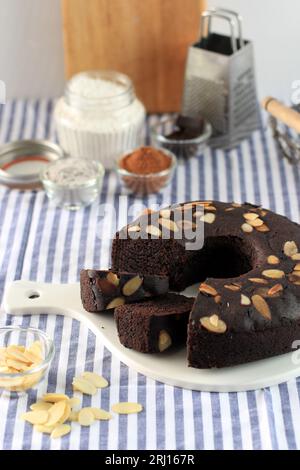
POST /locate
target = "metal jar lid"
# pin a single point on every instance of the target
(21, 162)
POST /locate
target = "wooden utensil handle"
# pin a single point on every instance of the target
(283, 113)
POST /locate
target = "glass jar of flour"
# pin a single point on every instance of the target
(99, 117)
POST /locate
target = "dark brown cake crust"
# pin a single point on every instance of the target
(102, 289)
(155, 325)
(248, 307)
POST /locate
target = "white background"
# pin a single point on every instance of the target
(31, 51)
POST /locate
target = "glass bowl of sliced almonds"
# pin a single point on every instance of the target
(25, 357)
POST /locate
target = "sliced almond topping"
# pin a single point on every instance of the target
(258, 280)
(186, 224)
(213, 324)
(275, 289)
(56, 413)
(74, 401)
(134, 228)
(164, 340)
(132, 286)
(297, 267)
(236, 204)
(84, 386)
(165, 213)
(116, 303)
(168, 224)
(256, 223)
(35, 417)
(74, 416)
(66, 415)
(154, 231)
(217, 299)
(296, 273)
(290, 248)
(126, 408)
(263, 212)
(229, 209)
(245, 300)
(95, 379)
(247, 228)
(261, 306)
(210, 208)
(113, 278)
(86, 417)
(207, 289)
(54, 397)
(296, 257)
(208, 218)
(273, 273)
(233, 287)
(250, 216)
(13, 352)
(60, 431)
(263, 228)
(272, 259)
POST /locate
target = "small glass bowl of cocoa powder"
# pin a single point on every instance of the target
(146, 170)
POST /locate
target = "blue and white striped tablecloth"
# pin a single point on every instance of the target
(38, 242)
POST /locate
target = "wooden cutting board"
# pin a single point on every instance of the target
(146, 39)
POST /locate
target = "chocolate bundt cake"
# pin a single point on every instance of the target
(248, 269)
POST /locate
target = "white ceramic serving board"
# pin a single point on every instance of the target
(169, 367)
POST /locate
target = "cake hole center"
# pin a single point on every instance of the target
(221, 257)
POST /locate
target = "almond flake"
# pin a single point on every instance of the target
(263, 228)
(297, 267)
(95, 379)
(40, 405)
(207, 289)
(217, 299)
(261, 306)
(132, 286)
(208, 218)
(100, 414)
(35, 417)
(168, 224)
(164, 340)
(245, 300)
(296, 273)
(74, 416)
(247, 228)
(258, 280)
(116, 303)
(126, 408)
(210, 208)
(84, 386)
(272, 259)
(296, 257)
(229, 209)
(54, 397)
(165, 213)
(263, 212)
(186, 224)
(13, 352)
(113, 278)
(60, 431)
(74, 401)
(86, 417)
(290, 248)
(236, 204)
(56, 413)
(233, 287)
(275, 289)
(273, 273)
(250, 216)
(134, 228)
(213, 324)
(256, 223)
(154, 231)
(43, 428)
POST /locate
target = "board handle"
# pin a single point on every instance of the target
(32, 298)
(283, 113)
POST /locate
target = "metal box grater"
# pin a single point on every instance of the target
(220, 81)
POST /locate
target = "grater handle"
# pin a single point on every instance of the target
(208, 15)
(283, 113)
(237, 17)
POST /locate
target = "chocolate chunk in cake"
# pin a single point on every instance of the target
(154, 325)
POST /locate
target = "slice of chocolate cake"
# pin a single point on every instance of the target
(155, 325)
(103, 290)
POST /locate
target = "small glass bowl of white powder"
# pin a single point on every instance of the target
(72, 183)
